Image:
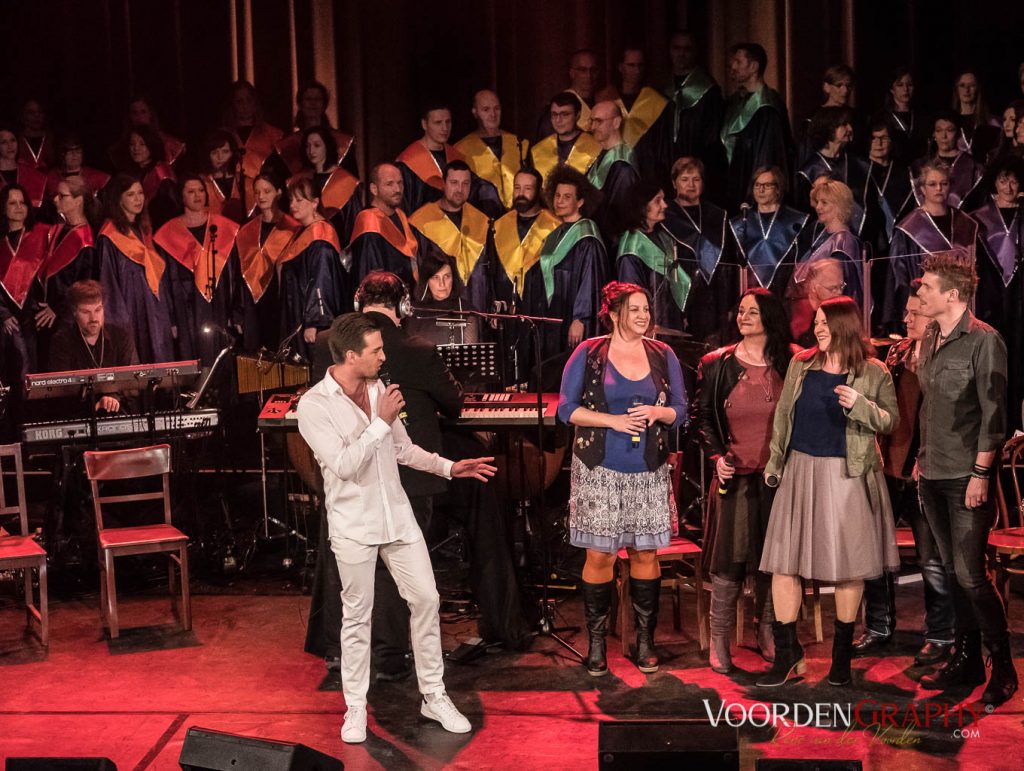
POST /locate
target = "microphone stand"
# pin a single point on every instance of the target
(547, 626)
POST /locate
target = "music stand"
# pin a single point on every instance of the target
(477, 359)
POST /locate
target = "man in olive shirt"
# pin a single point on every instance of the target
(963, 422)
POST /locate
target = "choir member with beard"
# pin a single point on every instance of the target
(35, 142)
(906, 127)
(142, 113)
(221, 172)
(244, 117)
(13, 171)
(698, 227)
(829, 137)
(978, 131)
(133, 274)
(494, 156)
(614, 173)
(964, 172)
(1002, 231)
(146, 164)
(458, 229)
(258, 246)
(697, 106)
(23, 243)
(755, 128)
(311, 103)
(934, 226)
(340, 193)
(518, 239)
(569, 145)
(70, 163)
(382, 238)
(647, 258)
(196, 247)
(767, 234)
(566, 281)
(837, 87)
(309, 271)
(584, 72)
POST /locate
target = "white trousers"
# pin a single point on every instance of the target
(409, 564)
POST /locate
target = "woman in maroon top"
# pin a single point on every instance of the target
(737, 390)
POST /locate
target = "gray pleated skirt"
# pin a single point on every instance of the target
(828, 526)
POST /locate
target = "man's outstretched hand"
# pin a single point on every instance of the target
(475, 468)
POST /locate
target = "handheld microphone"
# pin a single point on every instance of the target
(635, 440)
(725, 484)
(385, 378)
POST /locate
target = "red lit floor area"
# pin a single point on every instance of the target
(242, 670)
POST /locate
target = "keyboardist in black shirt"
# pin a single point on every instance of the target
(89, 343)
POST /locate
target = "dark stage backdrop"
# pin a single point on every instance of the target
(384, 57)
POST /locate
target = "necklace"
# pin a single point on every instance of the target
(103, 340)
(760, 223)
(765, 384)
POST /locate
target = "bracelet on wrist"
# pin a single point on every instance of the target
(983, 477)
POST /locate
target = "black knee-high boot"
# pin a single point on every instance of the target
(597, 604)
(644, 593)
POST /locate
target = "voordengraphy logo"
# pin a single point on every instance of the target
(867, 713)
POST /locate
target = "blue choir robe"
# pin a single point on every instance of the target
(649, 260)
(767, 243)
(850, 169)
(614, 174)
(136, 291)
(380, 242)
(308, 272)
(697, 108)
(257, 303)
(463, 236)
(755, 132)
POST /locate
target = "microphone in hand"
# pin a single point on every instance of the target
(725, 484)
(385, 378)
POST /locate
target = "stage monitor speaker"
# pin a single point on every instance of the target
(648, 745)
(206, 750)
(792, 764)
(60, 764)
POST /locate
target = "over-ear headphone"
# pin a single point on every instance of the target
(385, 284)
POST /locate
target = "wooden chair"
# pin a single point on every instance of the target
(143, 539)
(22, 552)
(1006, 543)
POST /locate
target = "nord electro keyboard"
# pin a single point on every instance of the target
(120, 427)
(107, 379)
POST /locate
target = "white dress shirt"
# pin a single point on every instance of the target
(359, 458)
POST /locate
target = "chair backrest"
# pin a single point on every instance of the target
(133, 463)
(19, 507)
(1013, 461)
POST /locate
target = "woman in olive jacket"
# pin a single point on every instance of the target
(831, 518)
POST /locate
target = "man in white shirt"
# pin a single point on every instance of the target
(349, 421)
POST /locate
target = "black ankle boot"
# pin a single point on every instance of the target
(842, 652)
(597, 604)
(789, 656)
(964, 667)
(1003, 683)
(644, 593)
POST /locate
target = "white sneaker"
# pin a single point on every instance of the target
(440, 708)
(353, 730)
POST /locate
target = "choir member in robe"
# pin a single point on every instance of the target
(1004, 148)
(258, 245)
(837, 87)
(36, 145)
(698, 227)
(70, 163)
(697, 105)
(458, 229)
(493, 155)
(647, 256)
(766, 234)
(440, 291)
(755, 127)
(518, 239)
(584, 74)
(569, 145)
(1002, 232)
(309, 271)
(829, 138)
(906, 126)
(566, 281)
(23, 243)
(70, 257)
(220, 165)
(977, 128)
(964, 172)
(196, 246)
(423, 161)
(146, 164)
(888, 195)
(382, 238)
(613, 174)
(244, 116)
(14, 171)
(934, 226)
(141, 112)
(646, 116)
(133, 274)
(311, 102)
(340, 193)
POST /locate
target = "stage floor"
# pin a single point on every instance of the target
(242, 670)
